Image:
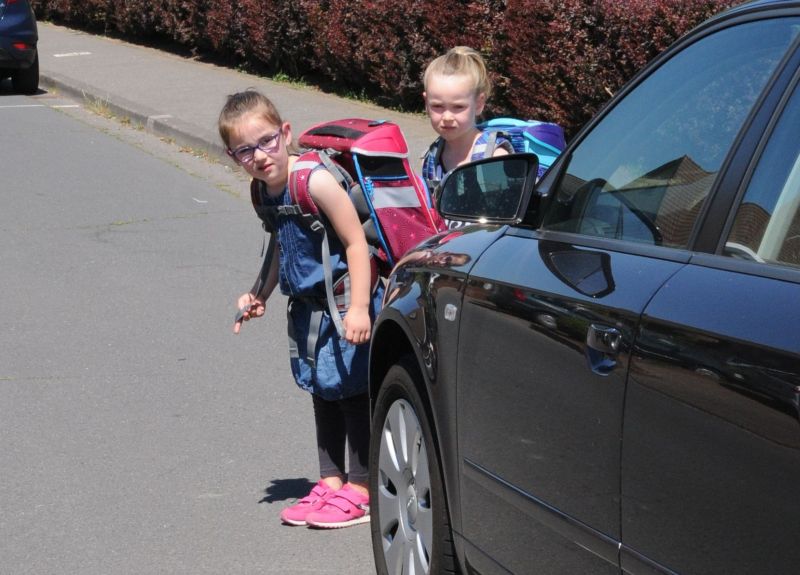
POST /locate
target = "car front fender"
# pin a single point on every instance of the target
(420, 319)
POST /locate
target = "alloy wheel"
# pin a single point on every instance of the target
(404, 492)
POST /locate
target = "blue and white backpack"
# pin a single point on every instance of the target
(544, 139)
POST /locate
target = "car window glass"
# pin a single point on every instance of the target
(644, 171)
(767, 223)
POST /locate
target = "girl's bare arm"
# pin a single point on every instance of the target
(334, 202)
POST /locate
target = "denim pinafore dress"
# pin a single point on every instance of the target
(334, 369)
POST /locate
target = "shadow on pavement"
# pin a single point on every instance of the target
(283, 489)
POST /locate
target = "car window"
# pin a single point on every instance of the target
(645, 170)
(767, 223)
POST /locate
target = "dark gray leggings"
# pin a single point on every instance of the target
(340, 422)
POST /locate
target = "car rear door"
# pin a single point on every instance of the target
(711, 448)
(550, 314)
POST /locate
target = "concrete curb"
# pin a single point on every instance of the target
(160, 125)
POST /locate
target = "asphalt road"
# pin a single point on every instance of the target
(138, 435)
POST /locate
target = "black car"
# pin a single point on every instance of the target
(602, 375)
(19, 57)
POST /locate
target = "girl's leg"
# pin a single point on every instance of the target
(331, 437)
(355, 411)
(350, 504)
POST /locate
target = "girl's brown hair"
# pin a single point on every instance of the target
(461, 61)
(248, 102)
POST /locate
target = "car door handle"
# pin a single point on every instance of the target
(604, 339)
(602, 347)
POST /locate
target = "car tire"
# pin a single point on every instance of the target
(410, 523)
(26, 81)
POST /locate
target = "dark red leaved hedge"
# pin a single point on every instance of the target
(556, 60)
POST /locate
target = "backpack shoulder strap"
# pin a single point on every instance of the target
(267, 214)
(301, 172)
(488, 142)
(431, 159)
(300, 194)
(306, 164)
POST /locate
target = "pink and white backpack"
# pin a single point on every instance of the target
(370, 159)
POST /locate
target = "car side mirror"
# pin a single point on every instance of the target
(491, 190)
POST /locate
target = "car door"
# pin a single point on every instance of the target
(711, 448)
(550, 312)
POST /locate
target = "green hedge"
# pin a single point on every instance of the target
(556, 60)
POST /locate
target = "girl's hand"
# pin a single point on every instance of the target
(357, 325)
(249, 306)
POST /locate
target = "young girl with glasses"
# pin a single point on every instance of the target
(335, 372)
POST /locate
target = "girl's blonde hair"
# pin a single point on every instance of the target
(461, 61)
(248, 102)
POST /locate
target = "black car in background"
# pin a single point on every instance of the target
(19, 58)
(603, 375)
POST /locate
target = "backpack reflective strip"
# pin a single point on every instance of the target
(379, 154)
(341, 290)
(304, 165)
(479, 150)
(395, 197)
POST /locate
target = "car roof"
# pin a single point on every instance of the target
(757, 5)
(750, 7)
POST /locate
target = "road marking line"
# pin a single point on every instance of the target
(70, 54)
(66, 106)
(24, 106)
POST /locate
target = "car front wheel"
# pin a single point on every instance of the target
(410, 527)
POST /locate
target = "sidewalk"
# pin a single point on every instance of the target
(180, 98)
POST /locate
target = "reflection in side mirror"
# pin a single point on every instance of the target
(491, 190)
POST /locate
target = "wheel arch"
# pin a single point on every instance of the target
(389, 344)
(392, 341)
(392, 344)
